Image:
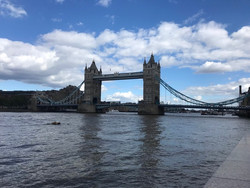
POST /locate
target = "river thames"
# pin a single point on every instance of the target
(114, 149)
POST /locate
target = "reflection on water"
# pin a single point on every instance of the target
(90, 148)
(149, 150)
(113, 150)
(91, 144)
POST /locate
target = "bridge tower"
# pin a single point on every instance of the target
(92, 88)
(151, 88)
(245, 102)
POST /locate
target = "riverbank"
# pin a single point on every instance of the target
(14, 110)
(235, 170)
(243, 114)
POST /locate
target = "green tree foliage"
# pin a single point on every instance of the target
(14, 100)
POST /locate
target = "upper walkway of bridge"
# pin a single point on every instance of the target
(119, 76)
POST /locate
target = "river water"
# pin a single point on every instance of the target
(114, 149)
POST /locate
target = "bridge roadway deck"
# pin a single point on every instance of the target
(204, 107)
(235, 170)
(100, 106)
(119, 76)
(57, 105)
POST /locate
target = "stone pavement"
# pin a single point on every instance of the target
(235, 170)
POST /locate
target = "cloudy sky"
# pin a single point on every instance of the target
(203, 45)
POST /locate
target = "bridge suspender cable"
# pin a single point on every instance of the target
(171, 90)
(66, 100)
(198, 102)
(70, 95)
(180, 95)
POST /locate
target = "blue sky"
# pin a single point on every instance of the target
(203, 45)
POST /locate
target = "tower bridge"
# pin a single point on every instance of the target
(89, 101)
(151, 87)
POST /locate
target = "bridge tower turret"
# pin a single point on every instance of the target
(92, 89)
(151, 88)
(151, 85)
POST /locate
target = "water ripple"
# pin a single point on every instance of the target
(114, 150)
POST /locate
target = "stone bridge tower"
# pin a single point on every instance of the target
(245, 102)
(92, 89)
(151, 88)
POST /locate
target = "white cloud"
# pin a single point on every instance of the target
(124, 97)
(4, 58)
(25, 62)
(194, 17)
(169, 61)
(72, 39)
(59, 1)
(111, 19)
(56, 20)
(224, 91)
(104, 3)
(243, 34)
(199, 97)
(219, 67)
(58, 57)
(213, 67)
(176, 100)
(79, 24)
(82, 87)
(212, 35)
(169, 38)
(9, 9)
(107, 36)
(104, 88)
(173, 1)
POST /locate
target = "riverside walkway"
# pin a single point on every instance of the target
(235, 170)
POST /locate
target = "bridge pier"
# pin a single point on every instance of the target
(86, 108)
(150, 109)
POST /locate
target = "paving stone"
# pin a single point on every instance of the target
(240, 153)
(245, 140)
(234, 170)
(226, 183)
